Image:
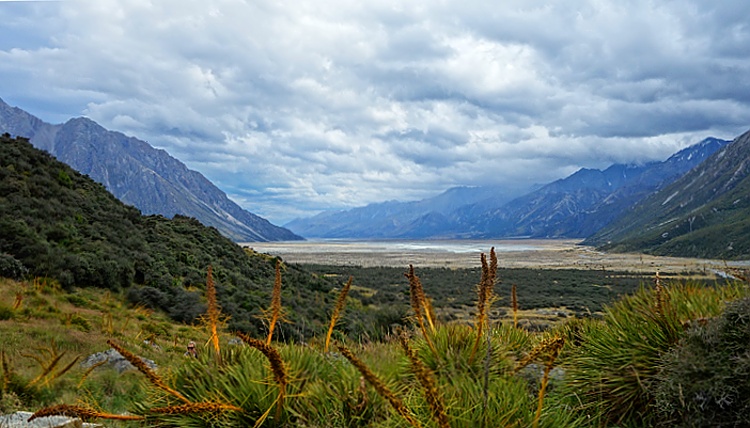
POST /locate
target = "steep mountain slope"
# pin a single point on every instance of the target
(576, 206)
(140, 175)
(583, 203)
(706, 213)
(57, 223)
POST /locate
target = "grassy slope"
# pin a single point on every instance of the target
(325, 390)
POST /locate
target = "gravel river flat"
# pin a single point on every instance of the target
(517, 253)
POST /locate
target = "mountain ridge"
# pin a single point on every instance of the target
(705, 213)
(140, 175)
(572, 207)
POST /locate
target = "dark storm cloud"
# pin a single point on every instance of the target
(296, 107)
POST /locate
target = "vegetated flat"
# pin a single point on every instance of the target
(517, 253)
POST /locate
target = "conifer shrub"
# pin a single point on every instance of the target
(706, 379)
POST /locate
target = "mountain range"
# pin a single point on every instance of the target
(705, 213)
(573, 207)
(140, 175)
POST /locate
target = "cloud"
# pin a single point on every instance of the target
(293, 108)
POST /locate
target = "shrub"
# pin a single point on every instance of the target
(10, 267)
(614, 370)
(706, 380)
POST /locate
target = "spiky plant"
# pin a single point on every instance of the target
(484, 296)
(514, 304)
(273, 314)
(152, 377)
(612, 372)
(419, 305)
(340, 302)
(213, 312)
(426, 378)
(379, 386)
(277, 367)
(84, 413)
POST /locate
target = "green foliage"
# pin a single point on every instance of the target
(62, 225)
(706, 379)
(613, 369)
(10, 267)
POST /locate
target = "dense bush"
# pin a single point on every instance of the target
(706, 380)
(10, 267)
(61, 224)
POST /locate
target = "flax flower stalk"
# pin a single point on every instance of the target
(661, 297)
(186, 409)
(337, 310)
(379, 386)
(484, 296)
(275, 303)
(143, 368)
(418, 304)
(514, 303)
(79, 412)
(427, 380)
(277, 367)
(213, 311)
(552, 351)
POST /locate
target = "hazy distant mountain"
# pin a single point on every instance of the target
(431, 217)
(140, 175)
(586, 201)
(705, 213)
(575, 207)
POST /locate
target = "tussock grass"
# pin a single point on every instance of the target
(437, 374)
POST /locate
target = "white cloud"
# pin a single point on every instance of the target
(294, 107)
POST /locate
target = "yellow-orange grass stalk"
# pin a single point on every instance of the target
(46, 368)
(186, 409)
(18, 301)
(427, 380)
(213, 312)
(63, 371)
(514, 304)
(275, 303)
(551, 350)
(6, 369)
(143, 368)
(89, 370)
(418, 304)
(277, 366)
(340, 302)
(484, 296)
(83, 413)
(379, 386)
(416, 284)
(661, 295)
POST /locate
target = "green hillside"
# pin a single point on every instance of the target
(59, 224)
(705, 214)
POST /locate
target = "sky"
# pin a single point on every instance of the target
(294, 107)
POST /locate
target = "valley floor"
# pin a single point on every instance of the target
(524, 253)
